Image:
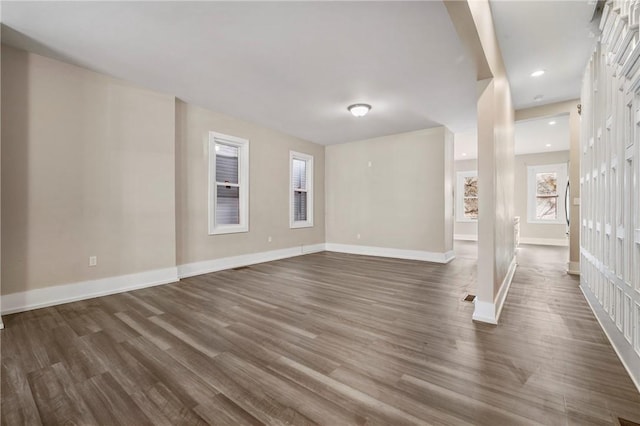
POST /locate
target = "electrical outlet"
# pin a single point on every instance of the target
(93, 260)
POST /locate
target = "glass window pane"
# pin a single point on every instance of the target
(227, 205)
(299, 174)
(471, 208)
(546, 184)
(471, 186)
(299, 206)
(547, 208)
(226, 163)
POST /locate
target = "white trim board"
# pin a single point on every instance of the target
(490, 312)
(207, 266)
(544, 241)
(465, 237)
(573, 268)
(523, 240)
(65, 293)
(623, 349)
(427, 256)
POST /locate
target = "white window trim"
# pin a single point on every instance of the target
(243, 183)
(460, 195)
(309, 169)
(532, 171)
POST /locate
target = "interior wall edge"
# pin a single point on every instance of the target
(490, 312)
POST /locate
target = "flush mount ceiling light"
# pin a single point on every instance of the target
(551, 123)
(537, 73)
(359, 110)
(548, 145)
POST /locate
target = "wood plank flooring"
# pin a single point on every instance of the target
(325, 338)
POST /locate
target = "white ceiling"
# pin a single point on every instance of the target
(556, 36)
(531, 136)
(292, 66)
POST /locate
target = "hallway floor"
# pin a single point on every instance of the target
(325, 338)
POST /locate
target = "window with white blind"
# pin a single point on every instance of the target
(228, 184)
(300, 190)
(546, 191)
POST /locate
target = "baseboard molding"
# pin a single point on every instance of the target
(56, 295)
(627, 355)
(490, 312)
(545, 241)
(523, 240)
(465, 237)
(214, 265)
(427, 256)
(573, 268)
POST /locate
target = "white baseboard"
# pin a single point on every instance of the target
(490, 312)
(56, 295)
(628, 356)
(573, 268)
(207, 266)
(465, 237)
(523, 240)
(427, 256)
(545, 241)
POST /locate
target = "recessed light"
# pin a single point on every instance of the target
(551, 123)
(464, 154)
(548, 145)
(359, 110)
(538, 98)
(537, 73)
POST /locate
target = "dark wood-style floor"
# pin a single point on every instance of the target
(325, 338)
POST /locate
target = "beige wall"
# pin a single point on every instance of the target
(449, 183)
(93, 166)
(402, 201)
(527, 230)
(87, 169)
(268, 188)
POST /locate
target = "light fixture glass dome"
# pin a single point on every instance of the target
(359, 110)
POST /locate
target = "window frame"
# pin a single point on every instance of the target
(561, 172)
(460, 176)
(243, 183)
(293, 224)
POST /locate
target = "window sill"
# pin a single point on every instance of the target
(546, 222)
(296, 225)
(229, 230)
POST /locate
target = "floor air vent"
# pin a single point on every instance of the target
(625, 422)
(470, 298)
